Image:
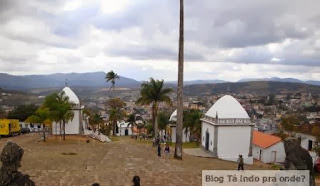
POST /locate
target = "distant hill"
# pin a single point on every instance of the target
(15, 98)
(313, 83)
(254, 87)
(276, 79)
(93, 79)
(197, 82)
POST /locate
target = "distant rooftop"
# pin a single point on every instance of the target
(264, 140)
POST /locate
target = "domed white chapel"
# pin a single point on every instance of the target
(76, 125)
(226, 130)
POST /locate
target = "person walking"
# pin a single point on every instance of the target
(167, 150)
(159, 150)
(240, 162)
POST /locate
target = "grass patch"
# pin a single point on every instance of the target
(187, 145)
(275, 167)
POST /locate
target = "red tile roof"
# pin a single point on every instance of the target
(264, 140)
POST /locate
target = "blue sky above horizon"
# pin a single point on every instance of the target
(139, 39)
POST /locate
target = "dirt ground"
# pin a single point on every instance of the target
(76, 162)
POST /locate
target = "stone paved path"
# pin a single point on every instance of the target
(198, 152)
(109, 163)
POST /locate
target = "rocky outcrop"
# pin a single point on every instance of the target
(11, 158)
(298, 158)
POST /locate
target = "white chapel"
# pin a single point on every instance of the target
(77, 124)
(173, 129)
(227, 131)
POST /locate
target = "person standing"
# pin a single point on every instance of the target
(240, 162)
(159, 150)
(167, 150)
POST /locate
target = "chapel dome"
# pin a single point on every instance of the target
(73, 98)
(227, 107)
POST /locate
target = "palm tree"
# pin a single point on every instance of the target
(111, 76)
(131, 119)
(116, 111)
(60, 109)
(97, 120)
(178, 147)
(153, 93)
(65, 111)
(41, 116)
(192, 122)
(163, 121)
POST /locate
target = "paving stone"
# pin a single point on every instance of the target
(110, 163)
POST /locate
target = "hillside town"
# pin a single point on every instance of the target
(122, 92)
(258, 122)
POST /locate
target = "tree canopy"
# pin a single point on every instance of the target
(192, 122)
(41, 116)
(60, 109)
(22, 112)
(289, 122)
(112, 76)
(163, 120)
(153, 92)
(115, 107)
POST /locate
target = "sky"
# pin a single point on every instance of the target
(227, 40)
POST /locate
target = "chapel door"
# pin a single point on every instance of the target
(126, 132)
(274, 156)
(260, 155)
(207, 140)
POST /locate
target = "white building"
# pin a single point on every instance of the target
(226, 130)
(307, 142)
(267, 148)
(124, 128)
(173, 129)
(32, 126)
(77, 124)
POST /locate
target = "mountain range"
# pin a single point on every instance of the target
(252, 87)
(91, 79)
(97, 79)
(276, 79)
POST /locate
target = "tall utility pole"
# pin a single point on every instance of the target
(178, 147)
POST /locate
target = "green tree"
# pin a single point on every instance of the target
(111, 76)
(149, 127)
(22, 112)
(60, 109)
(271, 99)
(41, 116)
(131, 119)
(95, 120)
(178, 147)
(288, 123)
(192, 122)
(153, 92)
(163, 121)
(115, 107)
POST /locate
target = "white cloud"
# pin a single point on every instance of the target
(140, 39)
